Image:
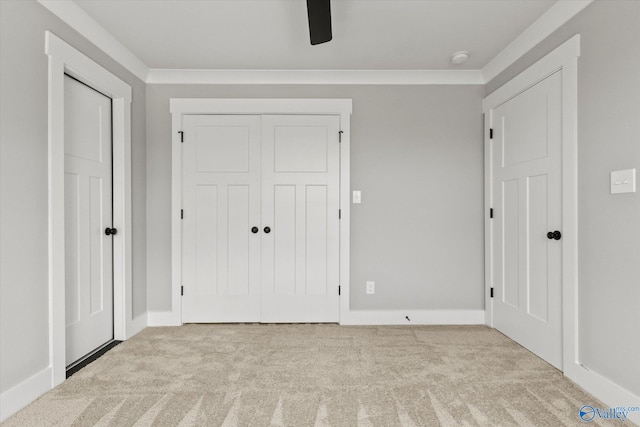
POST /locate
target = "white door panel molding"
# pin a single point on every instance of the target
(300, 207)
(526, 148)
(221, 204)
(88, 212)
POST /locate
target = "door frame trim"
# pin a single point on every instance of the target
(65, 59)
(180, 107)
(563, 59)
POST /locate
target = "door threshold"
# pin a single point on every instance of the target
(90, 357)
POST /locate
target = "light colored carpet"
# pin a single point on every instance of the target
(313, 375)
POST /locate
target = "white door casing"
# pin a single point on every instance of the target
(88, 211)
(526, 147)
(260, 191)
(65, 59)
(300, 202)
(182, 107)
(564, 61)
(221, 198)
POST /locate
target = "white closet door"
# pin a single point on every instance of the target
(221, 202)
(88, 211)
(527, 186)
(300, 201)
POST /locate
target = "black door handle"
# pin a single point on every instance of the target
(109, 231)
(267, 230)
(554, 235)
(254, 230)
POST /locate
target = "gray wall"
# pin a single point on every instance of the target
(417, 158)
(23, 185)
(609, 225)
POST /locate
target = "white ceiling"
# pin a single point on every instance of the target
(273, 34)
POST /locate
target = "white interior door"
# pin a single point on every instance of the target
(88, 212)
(221, 201)
(300, 201)
(527, 149)
(260, 225)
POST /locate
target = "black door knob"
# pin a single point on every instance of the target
(267, 230)
(109, 231)
(554, 235)
(254, 230)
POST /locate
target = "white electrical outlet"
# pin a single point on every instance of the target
(357, 197)
(371, 288)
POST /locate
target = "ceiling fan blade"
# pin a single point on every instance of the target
(319, 12)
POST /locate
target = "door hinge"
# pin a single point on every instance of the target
(491, 133)
(181, 135)
(338, 289)
(181, 213)
(491, 295)
(491, 213)
(182, 290)
(339, 213)
(340, 136)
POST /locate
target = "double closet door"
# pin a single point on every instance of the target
(260, 225)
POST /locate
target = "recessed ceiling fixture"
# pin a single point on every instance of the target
(459, 57)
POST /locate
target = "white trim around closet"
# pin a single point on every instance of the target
(182, 107)
(65, 59)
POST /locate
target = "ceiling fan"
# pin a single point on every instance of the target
(319, 12)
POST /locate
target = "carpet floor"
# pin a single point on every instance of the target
(313, 375)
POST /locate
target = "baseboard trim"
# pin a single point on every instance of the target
(368, 317)
(163, 318)
(604, 389)
(413, 317)
(22, 394)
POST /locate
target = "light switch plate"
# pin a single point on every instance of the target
(623, 181)
(357, 197)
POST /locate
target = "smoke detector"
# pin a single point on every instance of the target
(459, 57)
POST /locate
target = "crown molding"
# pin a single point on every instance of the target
(316, 77)
(69, 12)
(555, 17)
